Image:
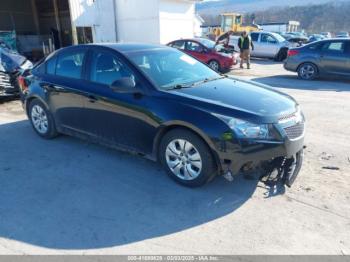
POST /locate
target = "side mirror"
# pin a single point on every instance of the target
(124, 85)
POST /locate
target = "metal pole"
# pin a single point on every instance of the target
(57, 18)
(74, 30)
(35, 16)
(115, 20)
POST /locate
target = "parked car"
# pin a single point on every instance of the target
(316, 37)
(343, 35)
(11, 65)
(216, 56)
(168, 106)
(297, 41)
(288, 35)
(325, 57)
(327, 34)
(266, 45)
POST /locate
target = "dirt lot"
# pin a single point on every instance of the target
(67, 196)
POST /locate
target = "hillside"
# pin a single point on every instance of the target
(313, 18)
(218, 6)
(319, 17)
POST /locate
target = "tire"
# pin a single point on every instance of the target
(307, 71)
(41, 119)
(215, 65)
(177, 148)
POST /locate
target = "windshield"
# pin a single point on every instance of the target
(170, 68)
(279, 37)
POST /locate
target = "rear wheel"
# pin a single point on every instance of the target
(213, 64)
(186, 158)
(307, 71)
(41, 119)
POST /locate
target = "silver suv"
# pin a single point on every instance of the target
(266, 45)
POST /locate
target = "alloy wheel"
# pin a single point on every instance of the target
(214, 65)
(39, 119)
(307, 71)
(183, 159)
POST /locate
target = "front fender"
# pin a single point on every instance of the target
(204, 124)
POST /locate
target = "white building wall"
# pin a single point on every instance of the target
(150, 21)
(275, 28)
(176, 20)
(98, 14)
(138, 21)
(198, 30)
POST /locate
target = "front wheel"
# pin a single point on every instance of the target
(41, 119)
(186, 158)
(307, 71)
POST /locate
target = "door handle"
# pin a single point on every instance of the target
(92, 99)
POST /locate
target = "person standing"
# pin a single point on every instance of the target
(224, 39)
(244, 44)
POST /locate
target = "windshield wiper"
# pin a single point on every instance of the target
(178, 87)
(206, 80)
(181, 86)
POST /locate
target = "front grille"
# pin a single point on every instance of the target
(286, 118)
(295, 131)
(5, 81)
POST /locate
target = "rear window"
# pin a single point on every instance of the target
(178, 44)
(51, 66)
(314, 46)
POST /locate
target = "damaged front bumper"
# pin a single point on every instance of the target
(284, 156)
(8, 84)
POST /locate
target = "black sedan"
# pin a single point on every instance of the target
(322, 58)
(167, 106)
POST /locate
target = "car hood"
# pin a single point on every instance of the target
(10, 60)
(238, 98)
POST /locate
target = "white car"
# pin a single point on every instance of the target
(343, 35)
(266, 45)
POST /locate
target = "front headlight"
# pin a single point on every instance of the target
(245, 129)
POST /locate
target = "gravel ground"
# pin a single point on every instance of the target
(67, 196)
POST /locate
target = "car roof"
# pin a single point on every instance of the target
(122, 47)
(334, 39)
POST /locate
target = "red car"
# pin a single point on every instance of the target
(206, 51)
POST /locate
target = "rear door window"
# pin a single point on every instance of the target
(70, 64)
(337, 47)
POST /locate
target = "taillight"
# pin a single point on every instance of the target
(22, 83)
(293, 52)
